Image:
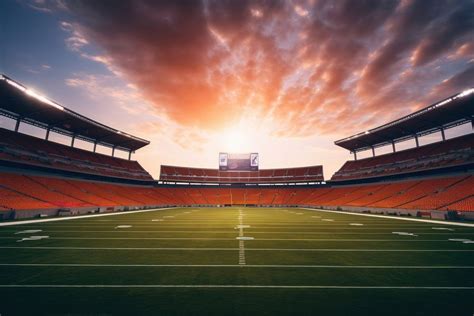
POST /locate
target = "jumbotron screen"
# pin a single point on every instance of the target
(238, 162)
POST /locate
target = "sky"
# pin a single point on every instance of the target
(282, 78)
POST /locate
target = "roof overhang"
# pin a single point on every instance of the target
(453, 111)
(19, 102)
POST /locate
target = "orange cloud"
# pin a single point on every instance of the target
(309, 66)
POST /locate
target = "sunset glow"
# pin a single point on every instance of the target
(281, 77)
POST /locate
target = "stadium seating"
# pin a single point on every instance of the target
(183, 174)
(37, 191)
(26, 192)
(12, 200)
(452, 152)
(29, 150)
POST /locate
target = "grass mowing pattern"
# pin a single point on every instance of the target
(190, 262)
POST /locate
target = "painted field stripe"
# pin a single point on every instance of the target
(236, 249)
(393, 217)
(355, 232)
(355, 287)
(232, 232)
(261, 223)
(162, 227)
(57, 219)
(227, 266)
(264, 239)
(128, 238)
(241, 237)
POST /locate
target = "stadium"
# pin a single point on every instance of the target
(388, 226)
(255, 157)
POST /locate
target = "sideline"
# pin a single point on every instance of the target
(34, 221)
(391, 217)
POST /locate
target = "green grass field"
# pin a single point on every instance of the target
(189, 261)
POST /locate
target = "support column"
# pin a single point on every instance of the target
(113, 151)
(373, 152)
(95, 146)
(443, 136)
(47, 134)
(17, 125)
(72, 140)
(393, 146)
(416, 141)
(130, 155)
(472, 124)
(355, 155)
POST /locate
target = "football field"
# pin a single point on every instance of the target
(236, 261)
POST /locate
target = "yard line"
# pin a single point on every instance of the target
(229, 266)
(275, 221)
(127, 238)
(235, 249)
(393, 217)
(264, 239)
(356, 232)
(325, 227)
(362, 287)
(56, 219)
(241, 242)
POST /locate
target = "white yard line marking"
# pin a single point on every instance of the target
(327, 220)
(404, 234)
(361, 287)
(241, 241)
(32, 238)
(442, 228)
(29, 231)
(464, 241)
(393, 217)
(242, 226)
(356, 224)
(123, 226)
(291, 266)
(56, 219)
(264, 239)
(234, 249)
(241, 253)
(276, 232)
(244, 238)
(221, 227)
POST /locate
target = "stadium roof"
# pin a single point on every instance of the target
(455, 110)
(17, 101)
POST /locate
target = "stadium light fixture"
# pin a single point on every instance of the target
(466, 92)
(33, 94)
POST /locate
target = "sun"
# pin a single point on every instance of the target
(235, 140)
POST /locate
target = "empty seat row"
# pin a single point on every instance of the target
(452, 152)
(26, 149)
(20, 192)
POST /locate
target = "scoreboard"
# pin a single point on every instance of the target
(238, 162)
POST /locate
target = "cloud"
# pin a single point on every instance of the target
(37, 69)
(453, 28)
(308, 67)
